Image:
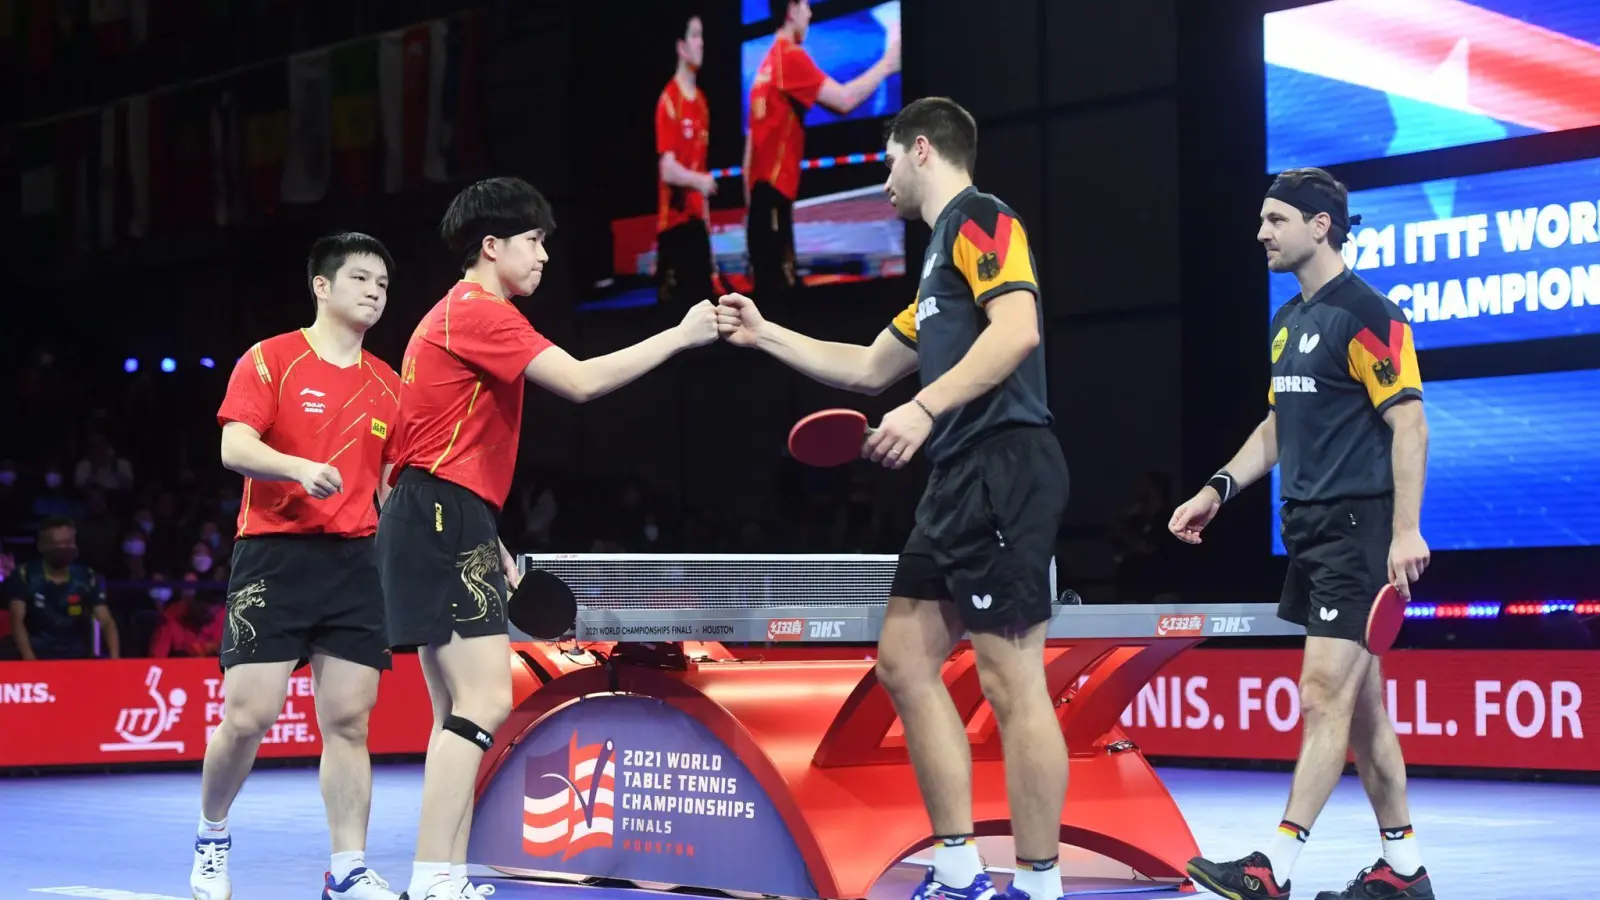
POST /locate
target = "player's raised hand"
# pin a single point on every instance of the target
(699, 325)
(891, 49)
(320, 480)
(738, 320)
(1194, 515)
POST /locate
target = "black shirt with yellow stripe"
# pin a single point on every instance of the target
(978, 251)
(1339, 361)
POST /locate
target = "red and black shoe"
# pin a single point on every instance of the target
(1250, 878)
(1380, 881)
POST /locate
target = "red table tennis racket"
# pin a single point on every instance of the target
(1383, 623)
(831, 437)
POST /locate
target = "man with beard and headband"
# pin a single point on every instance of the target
(1346, 425)
(684, 187)
(978, 558)
(446, 574)
(306, 421)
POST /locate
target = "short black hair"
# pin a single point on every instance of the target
(780, 9)
(53, 522)
(1323, 182)
(501, 207)
(329, 253)
(948, 127)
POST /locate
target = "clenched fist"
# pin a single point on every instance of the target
(738, 320)
(320, 480)
(699, 325)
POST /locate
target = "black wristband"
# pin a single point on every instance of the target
(1224, 485)
(925, 409)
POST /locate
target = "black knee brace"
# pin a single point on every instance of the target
(469, 730)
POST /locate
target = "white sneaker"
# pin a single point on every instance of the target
(362, 884)
(470, 891)
(443, 890)
(208, 878)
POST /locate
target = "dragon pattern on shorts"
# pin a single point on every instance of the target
(476, 565)
(251, 596)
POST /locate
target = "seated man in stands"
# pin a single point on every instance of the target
(55, 601)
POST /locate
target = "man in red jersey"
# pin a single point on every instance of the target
(308, 421)
(446, 575)
(683, 130)
(787, 85)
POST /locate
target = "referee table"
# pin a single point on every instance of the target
(645, 749)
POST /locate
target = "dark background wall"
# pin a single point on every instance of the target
(1127, 135)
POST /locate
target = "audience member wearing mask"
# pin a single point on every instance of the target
(99, 532)
(103, 468)
(54, 502)
(55, 602)
(190, 626)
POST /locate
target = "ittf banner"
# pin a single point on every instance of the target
(1492, 709)
(117, 711)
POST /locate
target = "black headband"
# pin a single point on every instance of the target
(1311, 201)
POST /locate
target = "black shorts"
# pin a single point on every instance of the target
(439, 557)
(1338, 561)
(769, 235)
(986, 531)
(291, 595)
(683, 266)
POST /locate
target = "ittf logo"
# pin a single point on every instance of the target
(785, 629)
(380, 429)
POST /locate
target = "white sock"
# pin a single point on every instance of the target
(1039, 884)
(458, 873)
(1284, 849)
(210, 830)
(955, 861)
(1400, 850)
(344, 863)
(425, 876)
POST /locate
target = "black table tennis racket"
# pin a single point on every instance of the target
(543, 606)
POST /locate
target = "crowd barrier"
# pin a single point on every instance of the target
(1490, 709)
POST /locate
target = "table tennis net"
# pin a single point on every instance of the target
(721, 580)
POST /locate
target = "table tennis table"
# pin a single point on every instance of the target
(649, 747)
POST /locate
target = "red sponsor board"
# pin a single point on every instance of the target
(93, 712)
(1515, 709)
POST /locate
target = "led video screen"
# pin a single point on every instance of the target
(1486, 259)
(753, 11)
(1352, 80)
(843, 47)
(1513, 463)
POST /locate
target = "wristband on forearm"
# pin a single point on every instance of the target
(1224, 484)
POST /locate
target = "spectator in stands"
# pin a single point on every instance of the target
(103, 468)
(190, 626)
(54, 502)
(133, 558)
(203, 565)
(56, 602)
(13, 506)
(99, 533)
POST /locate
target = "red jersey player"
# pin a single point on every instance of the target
(683, 130)
(308, 421)
(786, 85)
(446, 576)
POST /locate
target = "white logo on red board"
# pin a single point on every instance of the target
(1180, 626)
(785, 629)
(142, 727)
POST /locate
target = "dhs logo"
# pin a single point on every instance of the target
(1294, 384)
(1231, 624)
(786, 629)
(826, 631)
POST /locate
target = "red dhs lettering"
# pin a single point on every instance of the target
(1294, 384)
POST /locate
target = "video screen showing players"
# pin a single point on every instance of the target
(843, 46)
(1352, 80)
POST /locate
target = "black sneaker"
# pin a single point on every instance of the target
(1250, 878)
(1380, 881)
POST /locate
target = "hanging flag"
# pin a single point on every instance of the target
(136, 211)
(227, 156)
(306, 169)
(355, 118)
(104, 165)
(72, 182)
(183, 201)
(455, 139)
(112, 28)
(264, 106)
(403, 77)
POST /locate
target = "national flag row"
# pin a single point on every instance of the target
(384, 114)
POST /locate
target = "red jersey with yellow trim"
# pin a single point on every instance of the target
(461, 386)
(683, 128)
(978, 252)
(304, 406)
(785, 88)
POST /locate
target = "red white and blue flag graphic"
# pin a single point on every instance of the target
(568, 800)
(1349, 80)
